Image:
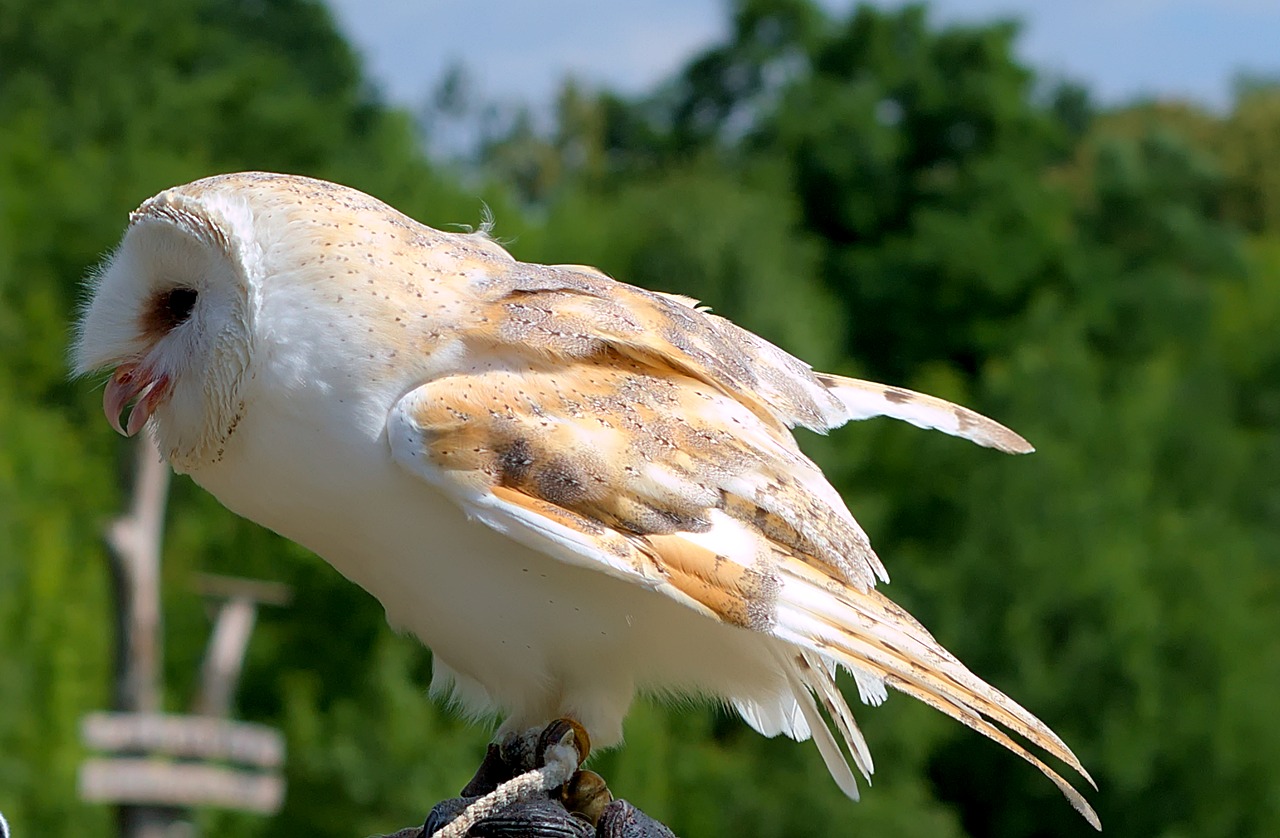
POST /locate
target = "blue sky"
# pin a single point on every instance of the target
(1121, 49)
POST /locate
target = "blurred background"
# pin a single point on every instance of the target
(1071, 224)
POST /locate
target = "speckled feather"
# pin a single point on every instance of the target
(596, 427)
(642, 451)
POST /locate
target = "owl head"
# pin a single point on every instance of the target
(170, 313)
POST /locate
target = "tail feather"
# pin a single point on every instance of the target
(886, 635)
(870, 688)
(970, 717)
(865, 630)
(779, 716)
(830, 750)
(820, 677)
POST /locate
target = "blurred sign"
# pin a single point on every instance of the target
(191, 737)
(164, 783)
(169, 760)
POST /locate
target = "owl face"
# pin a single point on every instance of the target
(170, 315)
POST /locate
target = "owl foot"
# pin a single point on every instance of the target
(530, 786)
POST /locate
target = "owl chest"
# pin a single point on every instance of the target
(452, 581)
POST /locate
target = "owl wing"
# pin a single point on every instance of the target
(569, 311)
(598, 443)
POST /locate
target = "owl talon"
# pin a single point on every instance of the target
(581, 807)
(586, 794)
(564, 731)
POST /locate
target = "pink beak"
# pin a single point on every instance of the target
(131, 381)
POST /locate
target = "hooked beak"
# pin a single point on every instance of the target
(131, 381)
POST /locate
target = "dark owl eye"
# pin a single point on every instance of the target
(169, 309)
(178, 303)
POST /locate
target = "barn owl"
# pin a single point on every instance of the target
(606, 474)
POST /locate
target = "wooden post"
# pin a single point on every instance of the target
(135, 540)
(224, 657)
(158, 767)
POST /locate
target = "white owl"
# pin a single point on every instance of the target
(571, 489)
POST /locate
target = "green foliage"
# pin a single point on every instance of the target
(879, 194)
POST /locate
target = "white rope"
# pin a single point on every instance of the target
(561, 761)
(4, 826)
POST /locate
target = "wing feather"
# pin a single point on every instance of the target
(865, 399)
(657, 477)
(568, 311)
(635, 451)
(867, 627)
